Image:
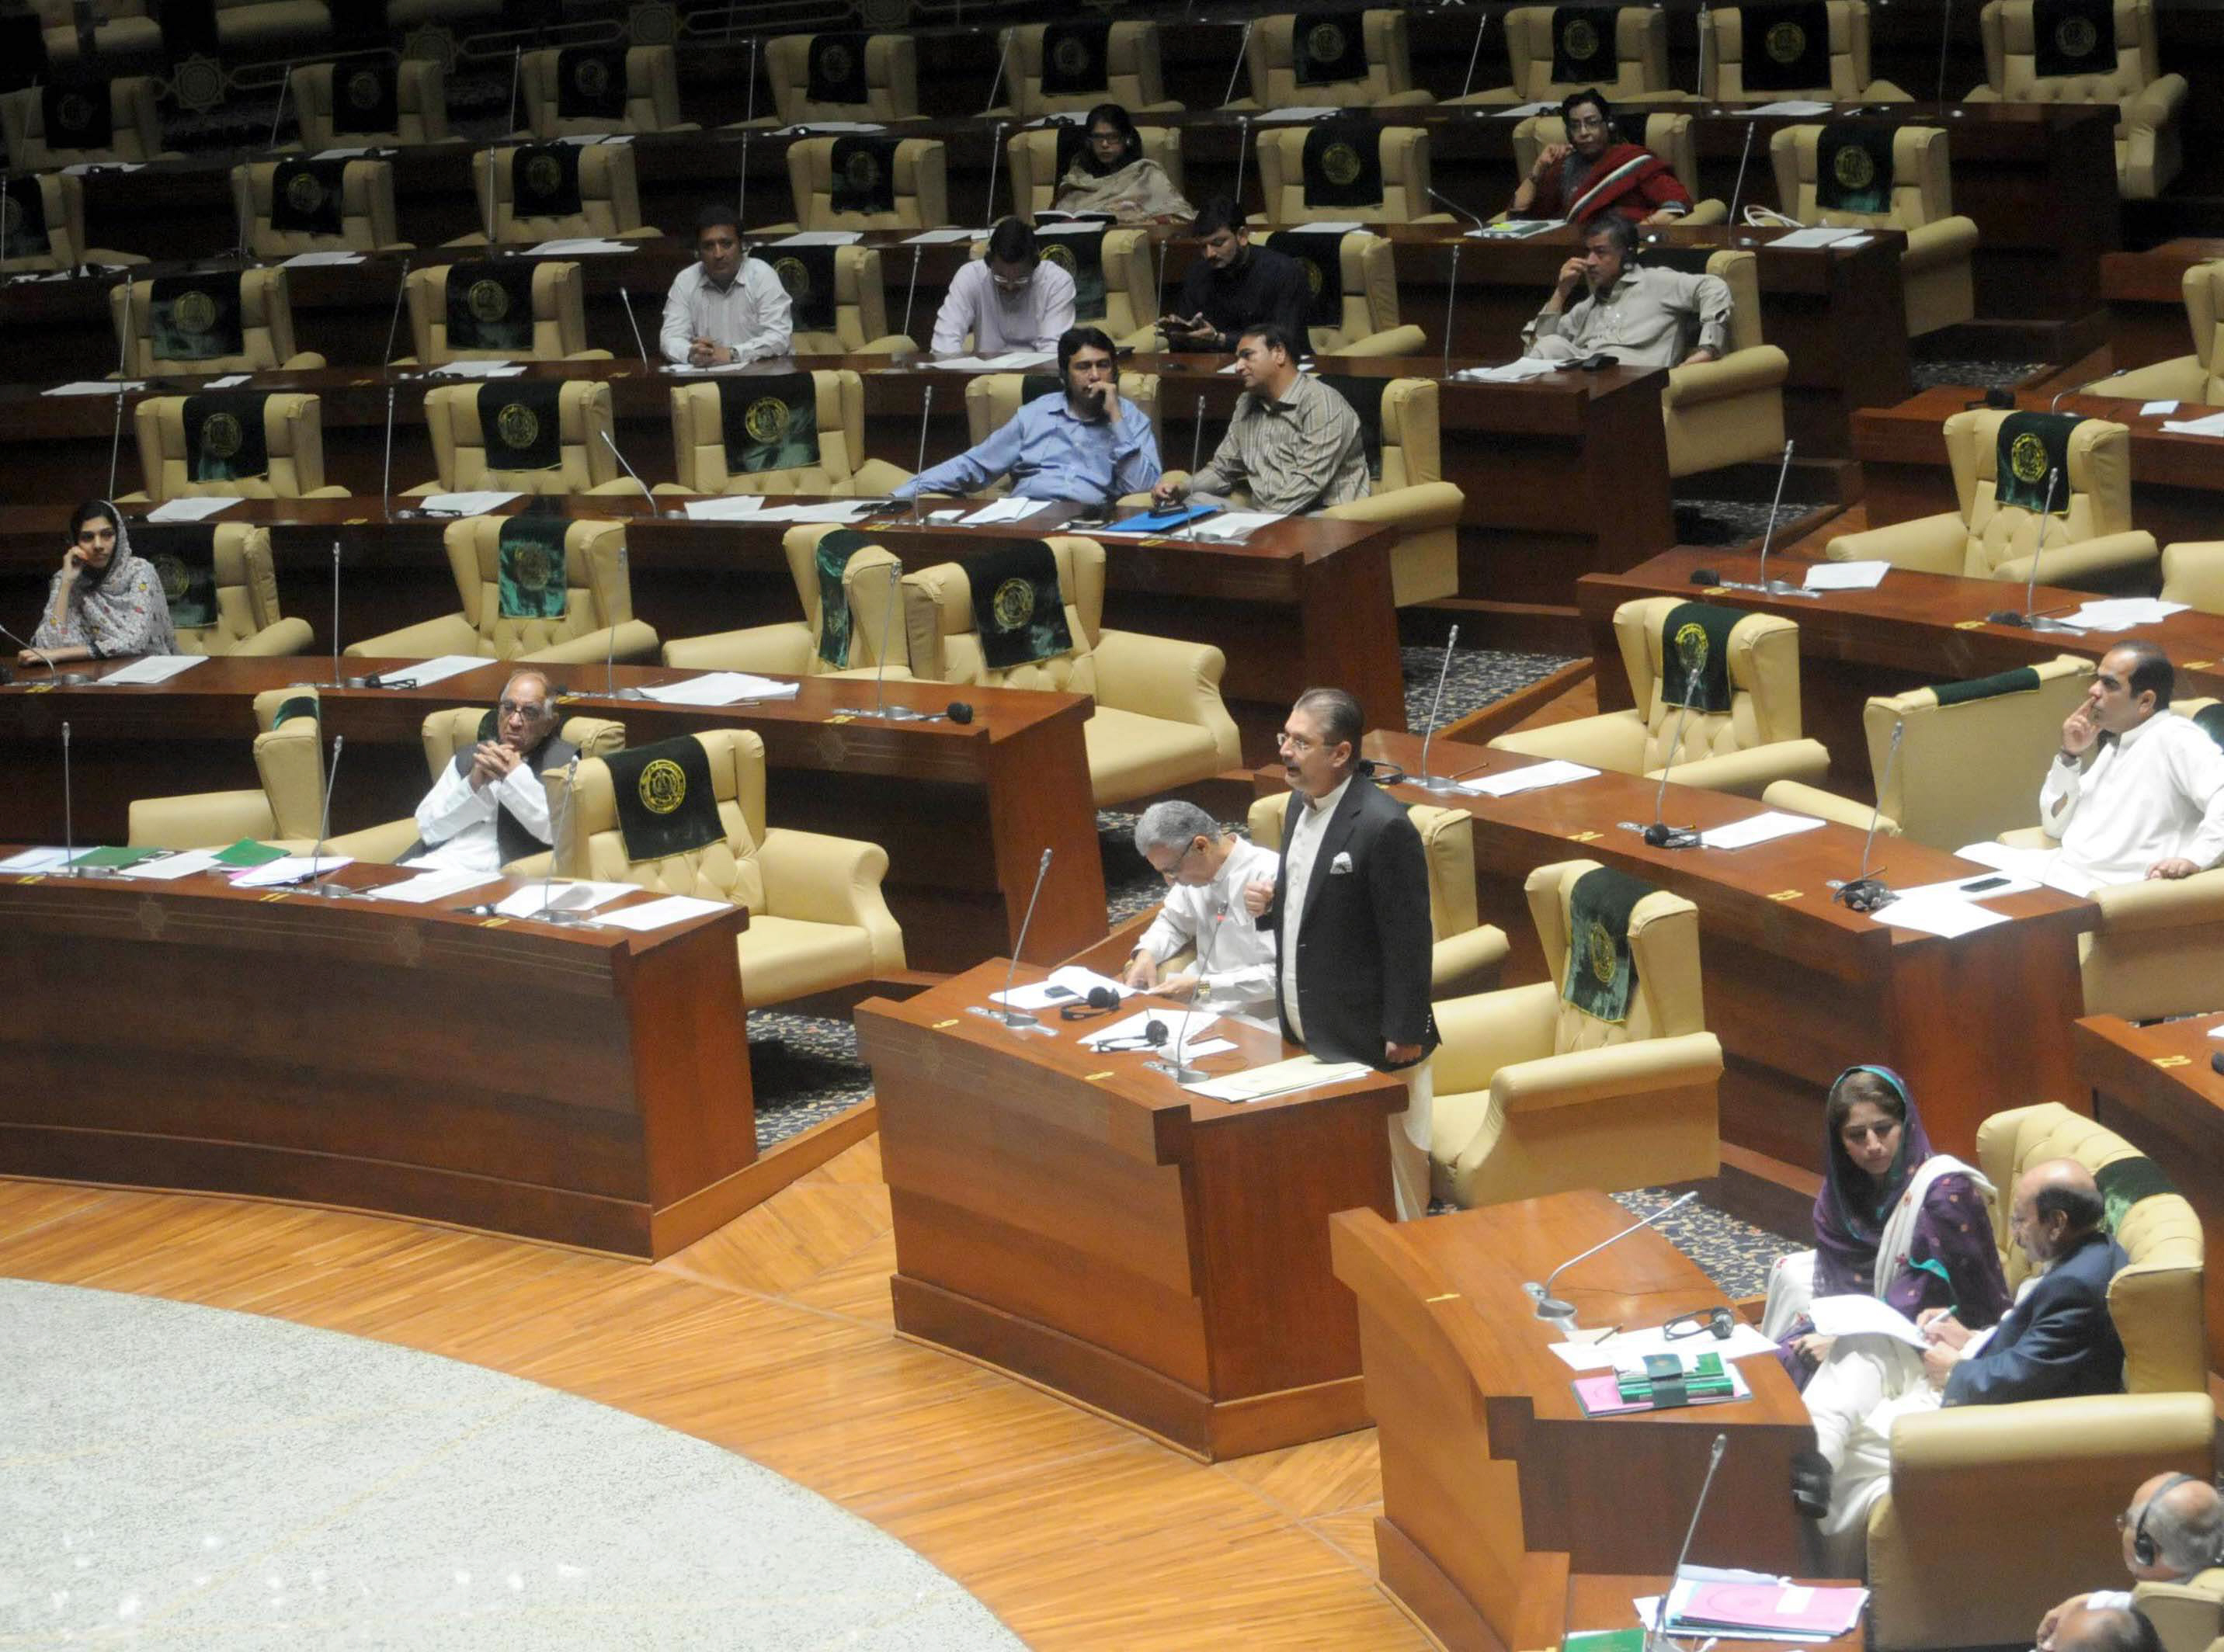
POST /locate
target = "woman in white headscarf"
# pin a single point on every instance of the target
(103, 602)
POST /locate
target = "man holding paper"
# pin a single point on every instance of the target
(2136, 791)
(1205, 870)
(488, 806)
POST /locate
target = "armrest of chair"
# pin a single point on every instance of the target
(1164, 677)
(2163, 903)
(1490, 1031)
(894, 343)
(1983, 94)
(380, 845)
(641, 232)
(2186, 1614)
(1467, 963)
(1713, 209)
(1883, 91)
(1934, 544)
(452, 633)
(1629, 1070)
(1946, 242)
(2069, 564)
(1800, 799)
(330, 490)
(1752, 771)
(301, 361)
(1404, 99)
(1425, 504)
(1404, 340)
(2180, 379)
(614, 486)
(821, 880)
(2028, 837)
(877, 476)
(782, 650)
(1614, 742)
(290, 636)
(589, 356)
(2158, 105)
(1758, 367)
(673, 491)
(199, 820)
(397, 246)
(636, 639)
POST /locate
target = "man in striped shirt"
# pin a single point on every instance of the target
(1293, 442)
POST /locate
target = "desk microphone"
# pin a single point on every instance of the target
(60, 678)
(959, 711)
(321, 884)
(639, 343)
(1862, 894)
(1179, 1068)
(69, 866)
(1442, 200)
(1660, 834)
(385, 485)
(611, 442)
(123, 361)
(393, 321)
(910, 292)
(2086, 389)
(1196, 454)
(995, 154)
(1549, 1307)
(1005, 1012)
(1737, 192)
(565, 920)
(1427, 781)
(2030, 619)
(1482, 23)
(880, 708)
(1451, 292)
(611, 689)
(1228, 96)
(1656, 1638)
(925, 412)
(1763, 584)
(742, 190)
(1242, 133)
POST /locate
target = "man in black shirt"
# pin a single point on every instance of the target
(1234, 285)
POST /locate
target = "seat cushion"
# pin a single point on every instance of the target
(786, 957)
(1131, 756)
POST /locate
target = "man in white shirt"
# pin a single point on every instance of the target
(2136, 791)
(1007, 300)
(2173, 1530)
(724, 308)
(488, 806)
(1205, 870)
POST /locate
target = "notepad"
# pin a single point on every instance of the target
(1279, 1078)
(182, 865)
(435, 885)
(1533, 777)
(1761, 829)
(662, 914)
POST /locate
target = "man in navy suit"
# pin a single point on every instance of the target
(1349, 906)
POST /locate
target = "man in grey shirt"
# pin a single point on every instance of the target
(1293, 442)
(1641, 318)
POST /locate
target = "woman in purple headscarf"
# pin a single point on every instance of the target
(1894, 1221)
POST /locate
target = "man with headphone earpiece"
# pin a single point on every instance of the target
(2172, 1531)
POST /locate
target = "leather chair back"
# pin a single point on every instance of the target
(62, 200)
(1764, 669)
(724, 869)
(922, 189)
(1740, 273)
(699, 440)
(871, 589)
(246, 591)
(2156, 1301)
(2011, 36)
(2099, 480)
(560, 316)
(421, 106)
(1271, 57)
(1664, 949)
(891, 80)
(1668, 137)
(1404, 155)
(860, 306)
(1447, 845)
(293, 425)
(448, 732)
(1131, 73)
(1723, 51)
(945, 647)
(367, 221)
(2188, 1616)
(135, 122)
(993, 399)
(1369, 264)
(1922, 183)
(1945, 791)
(266, 328)
(460, 445)
(1640, 55)
(598, 591)
(289, 759)
(1130, 280)
(2203, 286)
(1032, 160)
(2194, 574)
(652, 99)
(609, 199)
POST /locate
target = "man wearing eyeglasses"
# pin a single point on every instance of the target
(489, 807)
(1205, 870)
(1591, 173)
(1010, 300)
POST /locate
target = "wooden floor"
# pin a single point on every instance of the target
(773, 1337)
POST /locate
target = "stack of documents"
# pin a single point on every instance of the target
(291, 868)
(1629, 1350)
(38, 859)
(181, 865)
(433, 886)
(310, 260)
(1012, 361)
(1739, 1606)
(476, 503)
(662, 914)
(1181, 1028)
(2212, 426)
(566, 246)
(582, 896)
(821, 239)
(751, 508)
(1820, 235)
(1236, 524)
(2122, 612)
(1534, 777)
(1014, 509)
(1303, 112)
(2041, 866)
(939, 237)
(1516, 371)
(1068, 984)
(1513, 230)
(1784, 106)
(722, 688)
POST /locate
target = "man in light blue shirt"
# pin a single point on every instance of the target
(1086, 445)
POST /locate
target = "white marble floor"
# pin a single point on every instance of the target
(178, 1475)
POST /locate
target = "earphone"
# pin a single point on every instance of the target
(2143, 1549)
(1715, 1321)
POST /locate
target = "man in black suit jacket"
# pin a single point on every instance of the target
(1350, 906)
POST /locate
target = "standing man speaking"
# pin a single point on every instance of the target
(1350, 909)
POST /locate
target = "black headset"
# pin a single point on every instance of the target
(2143, 1546)
(1713, 1321)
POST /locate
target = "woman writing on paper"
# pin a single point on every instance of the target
(1894, 1221)
(103, 602)
(1110, 174)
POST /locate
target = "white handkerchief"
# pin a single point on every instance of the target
(1342, 863)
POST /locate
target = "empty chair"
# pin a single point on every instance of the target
(508, 309)
(836, 304)
(218, 323)
(842, 75)
(848, 591)
(1397, 418)
(42, 226)
(1831, 175)
(1768, 52)
(2081, 64)
(532, 193)
(1552, 50)
(1348, 60)
(1353, 276)
(1072, 65)
(222, 588)
(860, 182)
(530, 436)
(1729, 411)
(2197, 377)
(2193, 573)
(264, 25)
(117, 29)
(1040, 158)
(377, 101)
(235, 443)
(784, 434)
(75, 120)
(1668, 135)
(582, 90)
(534, 589)
(293, 205)
(1345, 168)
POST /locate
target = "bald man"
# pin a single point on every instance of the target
(2172, 1529)
(2107, 1629)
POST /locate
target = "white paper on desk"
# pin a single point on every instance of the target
(290, 869)
(1628, 1351)
(2156, 409)
(479, 370)
(1301, 112)
(1011, 509)
(582, 895)
(1519, 111)
(1931, 915)
(567, 245)
(1516, 371)
(831, 510)
(228, 382)
(343, 155)
(1279, 1078)
(39, 860)
(150, 669)
(1845, 576)
(1765, 828)
(425, 672)
(822, 238)
(1820, 235)
(2212, 426)
(95, 388)
(1784, 106)
(1316, 226)
(86, 168)
(722, 688)
(733, 508)
(2003, 882)
(172, 866)
(1235, 524)
(936, 237)
(1132, 1029)
(1534, 778)
(2043, 864)
(1854, 241)
(2122, 612)
(191, 510)
(1067, 984)
(476, 503)
(433, 886)
(662, 914)
(314, 260)
(1513, 230)
(1861, 1315)
(822, 128)
(583, 139)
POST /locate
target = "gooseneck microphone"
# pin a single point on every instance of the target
(338, 680)
(918, 471)
(1862, 892)
(2029, 619)
(1656, 1638)
(59, 677)
(1242, 47)
(393, 321)
(1196, 454)
(568, 920)
(1179, 1067)
(122, 361)
(69, 866)
(1660, 834)
(995, 155)
(611, 442)
(880, 708)
(639, 343)
(2091, 390)
(742, 190)
(320, 884)
(1482, 23)
(910, 292)
(1005, 1012)
(1426, 779)
(1737, 192)
(1549, 1307)
(1442, 200)
(1762, 583)
(1451, 295)
(608, 616)
(1242, 133)
(386, 482)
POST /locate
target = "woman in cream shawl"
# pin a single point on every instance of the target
(103, 602)
(1111, 174)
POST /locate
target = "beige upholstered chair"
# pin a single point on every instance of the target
(443, 16)
(698, 441)
(598, 596)
(1366, 322)
(1403, 151)
(135, 121)
(993, 399)
(1387, 82)
(1724, 54)
(790, 648)
(1667, 135)
(1130, 310)
(921, 189)
(2193, 573)
(61, 205)
(610, 200)
(559, 319)
(2149, 102)
(1031, 157)
(468, 458)
(1960, 743)
(1126, 72)
(1744, 750)
(860, 308)
(2092, 545)
(1946, 1568)
(294, 434)
(1730, 410)
(1465, 953)
(2188, 1616)
(650, 88)
(891, 79)
(331, 101)
(120, 28)
(1937, 268)
(2198, 377)
(1536, 1096)
(248, 623)
(818, 919)
(1159, 722)
(1637, 55)
(244, 26)
(366, 210)
(266, 327)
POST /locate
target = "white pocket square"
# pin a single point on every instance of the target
(1341, 864)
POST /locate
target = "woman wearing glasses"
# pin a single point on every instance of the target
(1591, 173)
(1110, 174)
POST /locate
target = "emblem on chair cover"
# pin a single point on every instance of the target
(1581, 40)
(194, 313)
(2077, 36)
(794, 278)
(1062, 255)
(1599, 953)
(171, 570)
(1015, 604)
(531, 567)
(838, 62)
(663, 786)
(2027, 457)
(1071, 56)
(73, 111)
(592, 76)
(1786, 42)
(1340, 164)
(305, 191)
(221, 436)
(543, 175)
(766, 420)
(489, 299)
(863, 169)
(1691, 647)
(365, 90)
(1854, 168)
(197, 83)
(518, 425)
(1325, 44)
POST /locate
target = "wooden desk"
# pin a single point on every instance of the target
(2146, 299)
(587, 1086)
(964, 812)
(2153, 1086)
(1081, 1221)
(1797, 987)
(1495, 1486)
